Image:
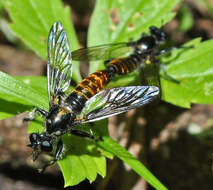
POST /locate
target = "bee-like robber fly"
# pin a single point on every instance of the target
(67, 111)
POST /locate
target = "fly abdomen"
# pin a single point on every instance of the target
(93, 83)
(90, 86)
(122, 66)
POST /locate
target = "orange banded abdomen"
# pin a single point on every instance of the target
(123, 66)
(92, 84)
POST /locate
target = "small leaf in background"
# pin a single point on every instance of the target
(32, 20)
(186, 18)
(119, 21)
(193, 68)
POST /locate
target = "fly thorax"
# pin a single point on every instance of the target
(145, 44)
(58, 119)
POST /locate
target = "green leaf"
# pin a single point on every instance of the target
(1, 9)
(36, 126)
(186, 18)
(83, 159)
(129, 80)
(113, 147)
(193, 68)
(32, 20)
(16, 91)
(10, 109)
(119, 21)
(38, 83)
(21, 94)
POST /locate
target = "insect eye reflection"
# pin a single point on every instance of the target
(46, 146)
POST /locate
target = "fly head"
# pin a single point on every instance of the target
(40, 143)
(159, 35)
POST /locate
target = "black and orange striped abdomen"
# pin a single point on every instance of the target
(95, 82)
(90, 86)
(123, 66)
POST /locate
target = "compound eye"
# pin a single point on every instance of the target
(46, 146)
(159, 34)
(33, 138)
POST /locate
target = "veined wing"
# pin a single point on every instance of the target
(59, 66)
(103, 52)
(114, 101)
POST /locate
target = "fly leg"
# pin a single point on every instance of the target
(167, 76)
(33, 113)
(165, 51)
(84, 134)
(162, 66)
(168, 50)
(58, 155)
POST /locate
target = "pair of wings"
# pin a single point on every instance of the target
(109, 101)
(59, 67)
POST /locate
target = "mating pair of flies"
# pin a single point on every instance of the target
(68, 110)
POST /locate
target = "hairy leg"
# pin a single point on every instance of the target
(33, 113)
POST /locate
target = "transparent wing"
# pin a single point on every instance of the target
(103, 52)
(114, 101)
(59, 66)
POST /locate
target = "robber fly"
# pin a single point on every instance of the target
(123, 58)
(67, 111)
